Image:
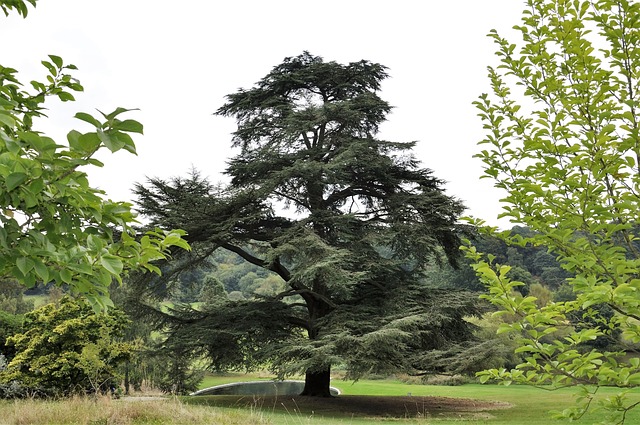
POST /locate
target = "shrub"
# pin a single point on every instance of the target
(67, 348)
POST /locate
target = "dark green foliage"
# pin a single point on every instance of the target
(154, 362)
(520, 274)
(10, 324)
(212, 291)
(173, 367)
(177, 376)
(349, 223)
(564, 293)
(530, 264)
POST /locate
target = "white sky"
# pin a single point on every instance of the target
(177, 60)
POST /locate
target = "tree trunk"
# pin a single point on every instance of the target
(126, 379)
(317, 383)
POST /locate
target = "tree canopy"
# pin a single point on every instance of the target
(563, 140)
(347, 220)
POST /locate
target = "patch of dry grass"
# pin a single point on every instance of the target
(92, 411)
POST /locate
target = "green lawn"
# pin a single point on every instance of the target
(38, 300)
(530, 405)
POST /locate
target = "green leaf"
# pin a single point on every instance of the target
(14, 180)
(86, 143)
(66, 96)
(115, 113)
(126, 141)
(112, 264)
(57, 60)
(7, 120)
(81, 268)
(129, 125)
(29, 199)
(42, 271)
(38, 86)
(73, 138)
(36, 186)
(66, 276)
(89, 142)
(104, 277)
(25, 265)
(52, 69)
(175, 239)
(88, 118)
(111, 142)
(95, 243)
(33, 139)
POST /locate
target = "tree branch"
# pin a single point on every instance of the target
(275, 266)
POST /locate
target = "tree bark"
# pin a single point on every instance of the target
(317, 383)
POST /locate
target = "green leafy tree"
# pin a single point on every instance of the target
(12, 297)
(248, 283)
(542, 294)
(67, 348)
(53, 225)
(563, 140)
(10, 324)
(361, 221)
(212, 290)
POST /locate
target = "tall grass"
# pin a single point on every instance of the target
(99, 411)
(530, 406)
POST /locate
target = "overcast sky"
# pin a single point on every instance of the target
(177, 60)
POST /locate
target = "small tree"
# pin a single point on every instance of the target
(212, 291)
(568, 157)
(68, 349)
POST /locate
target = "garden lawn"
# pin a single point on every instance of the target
(422, 404)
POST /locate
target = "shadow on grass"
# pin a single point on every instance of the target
(360, 406)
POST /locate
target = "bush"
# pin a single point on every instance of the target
(10, 324)
(67, 348)
(446, 380)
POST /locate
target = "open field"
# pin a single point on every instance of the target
(367, 402)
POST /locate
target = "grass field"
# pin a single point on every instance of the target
(529, 405)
